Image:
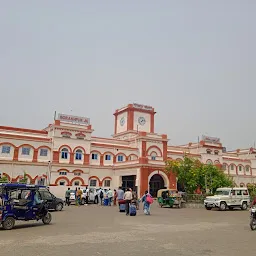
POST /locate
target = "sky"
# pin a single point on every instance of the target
(193, 61)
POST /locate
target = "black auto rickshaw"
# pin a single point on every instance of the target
(21, 202)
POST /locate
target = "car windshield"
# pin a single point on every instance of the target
(222, 193)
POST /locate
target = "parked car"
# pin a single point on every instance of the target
(228, 198)
(53, 202)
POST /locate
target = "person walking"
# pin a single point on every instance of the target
(115, 197)
(110, 196)
(147, 199)
(67, 196)
(128, 199)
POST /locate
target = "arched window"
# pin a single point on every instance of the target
(208, 151)
(64, 153)
(209, 161)
(79, 154)
(153, 155)
(216, 152)
(247, 168)
(6, 149)
(224, 167)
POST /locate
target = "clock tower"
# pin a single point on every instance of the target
(133, 118)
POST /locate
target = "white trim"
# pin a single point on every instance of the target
(164, 176)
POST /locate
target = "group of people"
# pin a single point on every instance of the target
(114, 197)
(130, 197)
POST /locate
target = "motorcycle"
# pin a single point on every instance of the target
(253, 218)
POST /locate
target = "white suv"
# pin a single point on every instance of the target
(228, 198)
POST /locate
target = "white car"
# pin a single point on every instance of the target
(228, 198)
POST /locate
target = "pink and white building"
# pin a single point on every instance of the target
(67, 154)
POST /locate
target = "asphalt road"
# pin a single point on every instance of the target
(95, 230)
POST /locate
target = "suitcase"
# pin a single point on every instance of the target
(133, 210)
(122, 208)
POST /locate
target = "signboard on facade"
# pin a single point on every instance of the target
(74, 119)
(135, 105)
(210, 139)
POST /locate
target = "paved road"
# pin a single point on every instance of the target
(96, 231)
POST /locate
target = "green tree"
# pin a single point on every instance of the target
(24, 180)
(4, 179)
(192, 174)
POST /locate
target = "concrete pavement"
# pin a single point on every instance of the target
(96, 230)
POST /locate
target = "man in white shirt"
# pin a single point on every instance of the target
(128, 199)
(110, 196)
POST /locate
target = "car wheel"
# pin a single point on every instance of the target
(59, 207)
(47, 219)
(8, 223)
(223, 206)
(208, 208)
(96, 200)
(244, 206)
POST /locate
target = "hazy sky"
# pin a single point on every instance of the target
(193, 61)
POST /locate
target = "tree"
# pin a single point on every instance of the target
(4, 179)
(24, 180)
(192, 174)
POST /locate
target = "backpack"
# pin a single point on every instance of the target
(149, 199)
(101, 194)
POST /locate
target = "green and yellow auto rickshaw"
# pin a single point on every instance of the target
(169, 197)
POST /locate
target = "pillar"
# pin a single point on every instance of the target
(143, 180)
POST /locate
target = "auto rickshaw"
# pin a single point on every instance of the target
(169, 197)
(20, 202)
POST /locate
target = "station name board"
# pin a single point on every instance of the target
(140, 106)
(210, 139)
(74, 119)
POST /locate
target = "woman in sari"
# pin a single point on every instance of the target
(146, 205)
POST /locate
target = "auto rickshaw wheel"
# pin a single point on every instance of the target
(8, 223)
(47, 219)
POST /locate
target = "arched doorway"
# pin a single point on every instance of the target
(156, 182)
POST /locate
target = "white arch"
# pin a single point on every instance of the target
(163, 175)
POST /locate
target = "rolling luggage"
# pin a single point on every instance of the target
(133, 210)
(122, 208)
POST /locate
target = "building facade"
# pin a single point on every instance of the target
(67, 154)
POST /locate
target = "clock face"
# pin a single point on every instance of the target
(142, 120)
(122, 121)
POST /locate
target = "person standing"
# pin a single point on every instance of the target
(147, 199)
(120, 194)
(110, 196)
(101, 196)
(87, 195)
(115, 197)
(79, 196)
(128, 199)
(67, 196)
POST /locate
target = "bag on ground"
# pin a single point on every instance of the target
(133, 210)
(122, 207)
